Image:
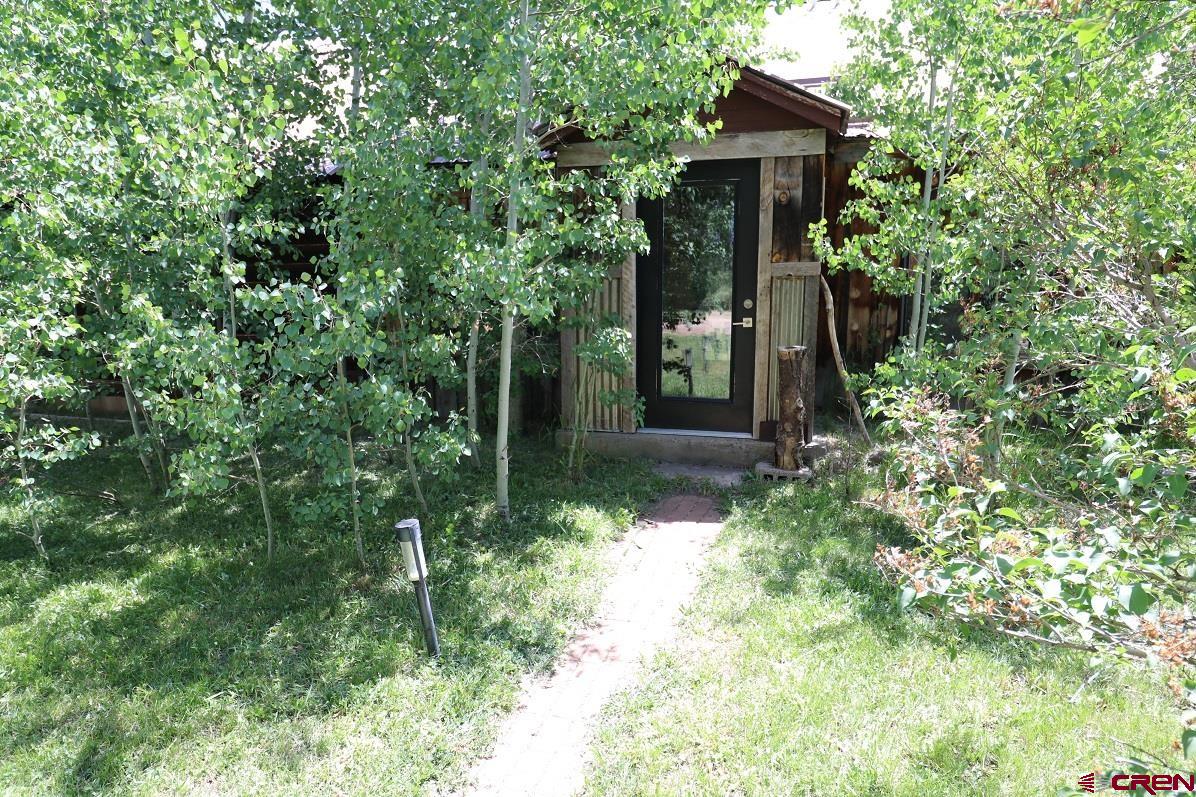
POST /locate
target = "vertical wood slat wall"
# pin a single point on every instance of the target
(787, 329)
(602, 418)
(617, 297)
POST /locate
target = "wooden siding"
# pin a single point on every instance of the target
(765, 144)
(868, 321)
(764, 353)
(788, 281)
(742, 111)
(787, 328)
(602, 418)
(617, 296)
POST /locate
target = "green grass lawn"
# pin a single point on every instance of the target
(796, 674)
(157, 653)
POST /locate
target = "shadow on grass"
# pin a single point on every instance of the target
(147, 625)
(823, 538)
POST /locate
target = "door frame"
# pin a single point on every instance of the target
(736, 415)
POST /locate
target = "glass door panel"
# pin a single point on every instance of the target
(697, 282)
(695, 291)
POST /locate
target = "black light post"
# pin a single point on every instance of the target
(417, 572)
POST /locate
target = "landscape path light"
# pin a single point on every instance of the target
(417, 571)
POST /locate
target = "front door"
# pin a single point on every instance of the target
(695, 294)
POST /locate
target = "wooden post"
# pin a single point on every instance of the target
(791, 436)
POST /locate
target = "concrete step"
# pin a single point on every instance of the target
(689, 448)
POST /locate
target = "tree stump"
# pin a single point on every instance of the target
(791, 438)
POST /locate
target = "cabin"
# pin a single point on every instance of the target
(731, 275)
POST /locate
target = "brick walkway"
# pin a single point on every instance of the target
(543, 747)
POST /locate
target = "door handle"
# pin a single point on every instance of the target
(746, 323)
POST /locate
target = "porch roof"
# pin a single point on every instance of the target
(797, 105)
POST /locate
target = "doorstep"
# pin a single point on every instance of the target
(692, 448)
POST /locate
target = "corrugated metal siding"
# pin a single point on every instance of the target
(788, 316)
(603, 418)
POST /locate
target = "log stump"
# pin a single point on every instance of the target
(791, 438)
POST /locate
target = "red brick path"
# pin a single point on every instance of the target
(543, 747)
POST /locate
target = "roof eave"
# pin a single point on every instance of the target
(827, 112)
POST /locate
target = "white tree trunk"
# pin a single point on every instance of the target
(355, 76)
(471, 389)
(155, 441)
(1015, 350)
(916, 309)
(581, 415)
(477, 209)
(138, 432)
(226, 219)
(502, 453)
(264, 495)
(35, 524)
(948, 130)
(159, 442)
(130, 404)
(409, 454)
(354, 498)
(519, 140)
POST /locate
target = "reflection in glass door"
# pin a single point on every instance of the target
(697, 281)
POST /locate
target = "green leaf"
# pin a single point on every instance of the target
(1188, 743)
(1135, 599)
(1087, 30)
(1027, 563)
(1177, 485)
(908, 595)
(1144, 474)
(1010, 513)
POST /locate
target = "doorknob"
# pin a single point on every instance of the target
(745, 323)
